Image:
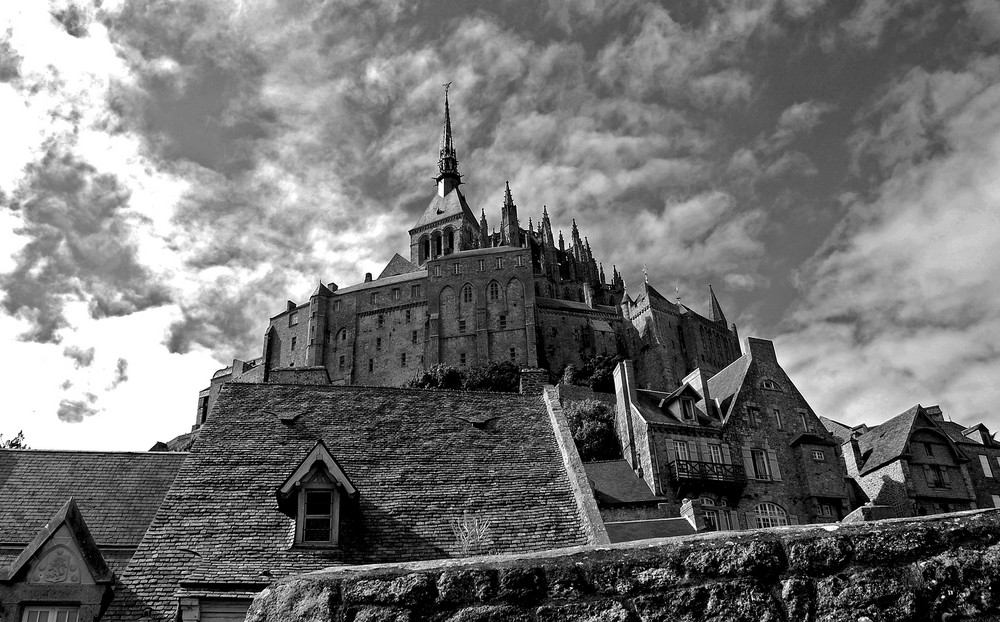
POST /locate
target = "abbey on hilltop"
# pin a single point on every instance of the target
(468, 295)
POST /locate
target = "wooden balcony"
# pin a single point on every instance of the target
(694, 472)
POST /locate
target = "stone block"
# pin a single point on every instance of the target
(887, 546)
(489, 613)
(798, 595)
(594, 611)
(379, 614)
(883, 594)
(466, 586)
(730, 601)
(410, 589)
(566, 582)
(761, 559)
(819, 556)
(521, 585)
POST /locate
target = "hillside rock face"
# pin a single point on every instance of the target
(945, 567)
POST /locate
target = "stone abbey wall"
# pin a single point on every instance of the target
(945, 567)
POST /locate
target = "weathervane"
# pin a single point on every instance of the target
(645, 274)
(446, 87)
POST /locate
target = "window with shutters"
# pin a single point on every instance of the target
(985, 463)
(769, 515)
(715, 453)
(937, 476)
(681, 450)
(753, 416)
(761, 468)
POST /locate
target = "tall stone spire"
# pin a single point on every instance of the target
(717, 314)
(448, 177)
(510, 231)
(484, 232)
(546, 227)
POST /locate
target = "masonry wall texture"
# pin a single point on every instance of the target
(945, 567)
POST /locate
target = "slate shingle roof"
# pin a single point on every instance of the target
(724, 385)
(451, 204)
(889, 441)
(417, 461)
(614, 482)
(118, 493)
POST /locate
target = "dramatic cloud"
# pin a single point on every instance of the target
(121, 373)
(79, 356)
(75, 411)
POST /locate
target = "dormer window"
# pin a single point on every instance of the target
(769, 384)
(687, 410)
(314, 495)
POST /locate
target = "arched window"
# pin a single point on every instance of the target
(494, 290)
(769, 515)
(342, 334)
(449, 241)
(467, 293)
(425, 248)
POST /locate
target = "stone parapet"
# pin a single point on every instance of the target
(944, 567)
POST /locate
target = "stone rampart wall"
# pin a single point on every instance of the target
(945, 567)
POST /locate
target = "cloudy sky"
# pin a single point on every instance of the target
(172, 171)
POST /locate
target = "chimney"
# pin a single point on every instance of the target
(934, 412)
(331, 286)
(691, 511)
(368, 277)
(625, 396)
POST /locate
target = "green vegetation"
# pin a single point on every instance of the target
(597, 373)
(593, 425)
(14, 443)
(500, 377)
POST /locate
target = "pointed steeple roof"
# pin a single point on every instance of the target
(508, 200)
(717, 314)
(448, 159)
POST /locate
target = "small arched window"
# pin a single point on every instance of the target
(467, 293)
(770, 515)
(494, 291)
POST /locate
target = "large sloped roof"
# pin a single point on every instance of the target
(419, 459)
(447, 206)
(118, 493)
(397, 265)
(615, 483)
(889, 441)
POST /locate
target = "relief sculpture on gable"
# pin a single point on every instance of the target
(58, 565)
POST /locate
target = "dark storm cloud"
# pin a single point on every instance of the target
(79, 356)
(78, 248)
(75, 411)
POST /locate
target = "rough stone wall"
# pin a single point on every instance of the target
(945, 567)
(889, 485)
(567, 337)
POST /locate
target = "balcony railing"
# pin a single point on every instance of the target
(694, 470)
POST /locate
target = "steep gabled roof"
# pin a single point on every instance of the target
(445, 207)
(413, 455)
(724, 385)
(890, 440)
(68, 515)
(397, 265)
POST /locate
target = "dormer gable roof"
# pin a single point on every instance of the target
(318, 454)
(891, 440)
(69, 516)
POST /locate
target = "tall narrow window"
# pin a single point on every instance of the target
(494, 290)
(513, 354)
(805, 421)
(373, 298)
(456, 268)
(503, 322)
(681, 449)
(715, 453)
(461, 358)
(395, 293)
(761, 469)
(499, 263)
(777, 418)
(753, 416)
(371, 365)
(407, 316)
(414, 291)
(293, 319)
(687, 409)
(318, 516)
(294, 339)
(467, 294)
(402, 359)
(341, 364)
(482, 265)
(413, 336)
(461, 326)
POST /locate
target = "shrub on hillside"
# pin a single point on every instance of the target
(500, 377)
(593, 426)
